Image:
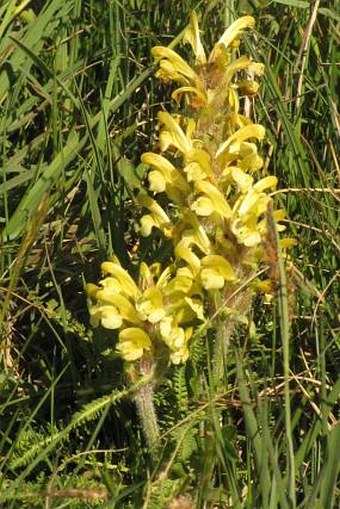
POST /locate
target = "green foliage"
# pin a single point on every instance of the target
(77, 109)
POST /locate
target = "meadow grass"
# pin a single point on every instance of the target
(78, 104)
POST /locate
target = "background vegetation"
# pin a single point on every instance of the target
(77, 108)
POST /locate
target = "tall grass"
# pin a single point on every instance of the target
(77, 109)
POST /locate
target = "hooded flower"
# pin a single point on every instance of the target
(192, 36)
(165, 177)
(133, 342)
(231, 36)
(172, 67)
(157, 217)
(172, 135)
(216, 270)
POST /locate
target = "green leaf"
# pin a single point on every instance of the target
(49, 176)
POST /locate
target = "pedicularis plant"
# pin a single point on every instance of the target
(209, 169)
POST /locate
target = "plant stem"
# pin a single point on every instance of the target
(145, 406)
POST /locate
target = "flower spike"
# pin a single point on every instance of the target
(210, 203)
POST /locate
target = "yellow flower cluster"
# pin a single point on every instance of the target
(209, 172)
(216, 220)
(150, 314)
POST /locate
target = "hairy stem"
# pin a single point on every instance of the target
(145, 406)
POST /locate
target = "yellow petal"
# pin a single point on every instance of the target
(197, 306)
(111, 283)
(247, 237)
(157, 217)
(220, 204)
(192, 36)
(257, 68)
(178, 285)
(157, 181)
(150, 306)
(146, 276)
(194, 234)
(240, 64)
(167, 72)
(221, 265)
(127, 283)
(180, 355)
(170, 175)
(233, 32)
(269, 182)
(108, 293)
(176, 64)
(287, 243)
(186, 254)
(200, 99)
(243, 180)
(172, 335)
(194, 172)
(126, 309)
(201, 157)
(250, 161)
(212, 279)
(203, 206)
(147, 223)
(250, 131)
(91, 290)
(160, 162)
(109, 316)
(247, 87)
(173, 135)
(185, 272)
(163, 278)
(253, 202)
(132, 343)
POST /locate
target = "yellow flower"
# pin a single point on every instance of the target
(176, 338)
(216, 270)
(243, 181)
(150, 306)
(201, 156)
(255, 201)
(212, 201)
(133, 341)
(126, 310)
(111, 301)
(185, 253)
(157, 218)
(240, 64)
(231, 34)
(190, 232)
(250, 160)
(278, 215)
(165, 177)
(200, 98)
(172, 135)
(197, 307)
(256, 131)
(246, 233)
(247, 210)
(173, 67)
(192, 36)
(216, 204)
(126, 282)
(106, 315)
(177, 286)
